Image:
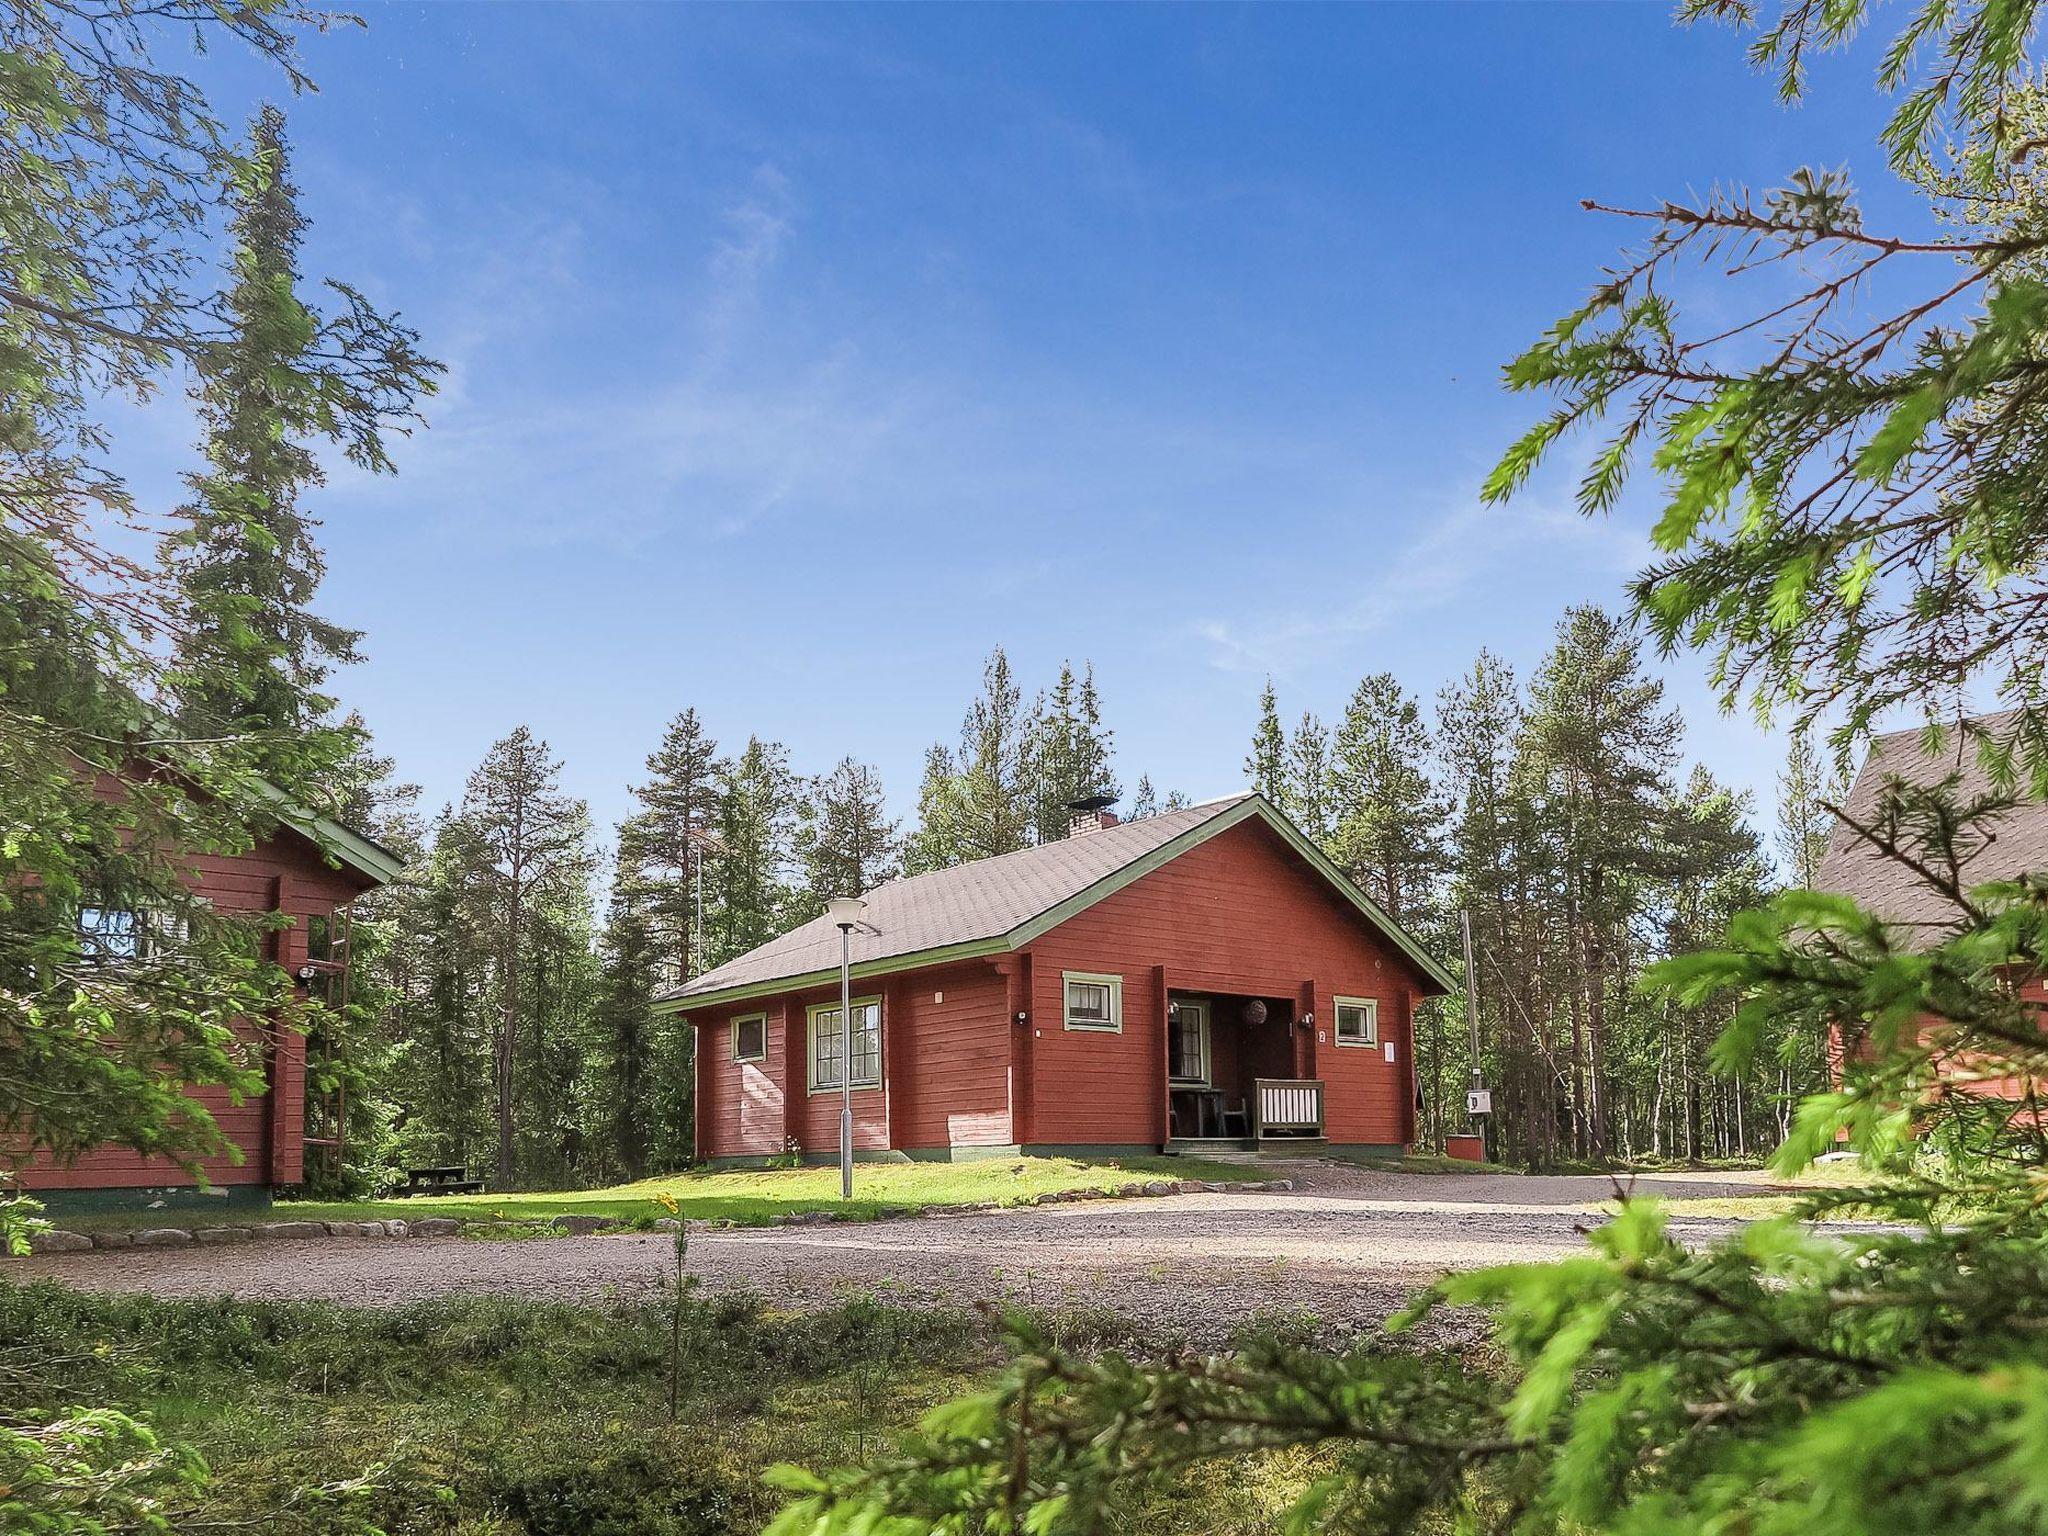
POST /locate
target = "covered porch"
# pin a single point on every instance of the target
(1236, 1075)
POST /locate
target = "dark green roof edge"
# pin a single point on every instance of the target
(351, 848)
(1116, 880)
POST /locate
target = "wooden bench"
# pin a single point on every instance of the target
(439, 1181)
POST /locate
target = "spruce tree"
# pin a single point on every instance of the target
(1144, 799)
(665, 845)
(1305, 783)
(937, 841)
(848, 844)
(1265, 770)
(254, 657)
(1069, 757)
(1807, 787)
(995, 766)
(752, 886)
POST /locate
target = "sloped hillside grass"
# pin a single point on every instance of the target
(499, 1418)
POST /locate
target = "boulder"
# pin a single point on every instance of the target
(113, 1239)
(163, 1237)
(667, 1224)
(349, 1229)
(1159, 1187)
(434, 1226)
(54, 1241)
(292, 1229)
(219, 1235)
(397, 1228)
(582, 1226)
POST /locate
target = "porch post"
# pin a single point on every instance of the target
(1165, 1095)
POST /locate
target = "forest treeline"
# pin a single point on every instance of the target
(505, 996)
(500, 1006)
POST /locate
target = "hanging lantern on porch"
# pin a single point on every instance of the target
(1255, 1012)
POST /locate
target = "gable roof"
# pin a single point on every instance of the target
(367, 857)
(1886, 887)
(998, 904)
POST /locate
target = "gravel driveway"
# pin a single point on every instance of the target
(1347, 1245)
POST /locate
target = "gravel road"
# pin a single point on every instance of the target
(1348, 1245)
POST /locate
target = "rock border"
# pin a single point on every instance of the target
(58, 1240)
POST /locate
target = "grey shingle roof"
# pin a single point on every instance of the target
(981, 900)
(1886, 887)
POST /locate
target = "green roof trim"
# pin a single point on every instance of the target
(1024, 933)
(332, 838)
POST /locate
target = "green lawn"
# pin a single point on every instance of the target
(744, 1198)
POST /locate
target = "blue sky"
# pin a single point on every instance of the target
(799, 356)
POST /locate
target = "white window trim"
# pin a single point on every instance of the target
(811, 1046)
(1371, 1005)
(1208, 1077)
(1115, 1026)
(749, 1018)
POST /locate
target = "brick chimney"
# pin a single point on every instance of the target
(1097, 819)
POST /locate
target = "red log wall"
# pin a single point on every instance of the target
(1239, 914)
(284, 874)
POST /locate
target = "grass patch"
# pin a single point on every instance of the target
(742, 1198)
(491, 1417)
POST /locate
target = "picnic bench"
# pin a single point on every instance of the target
(439, 1181)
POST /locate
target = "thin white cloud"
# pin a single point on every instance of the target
(1470, 547)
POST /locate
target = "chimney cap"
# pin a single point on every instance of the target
(1092, 803)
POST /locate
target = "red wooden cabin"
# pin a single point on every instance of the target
(1916, 914)
(1188, 981)
(311, 869)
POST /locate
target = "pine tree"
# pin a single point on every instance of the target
(848, 844)
(1806, 788)
(1266, 768)
(1305, 784)
(1598, 754)
(529, 882)
(1479, 723)
(1389, 833)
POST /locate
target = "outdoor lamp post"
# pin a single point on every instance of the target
(846, 911)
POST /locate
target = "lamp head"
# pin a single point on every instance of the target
(845, 911)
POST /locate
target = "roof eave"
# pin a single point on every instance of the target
(372, 861)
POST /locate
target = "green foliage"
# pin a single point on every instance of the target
(90, 1474)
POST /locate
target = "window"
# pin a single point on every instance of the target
(109, 933)
(1358, 1021)
(1094, 1002)
(828, 1045)
(750, 1038)
(113, 934)
(1187, 1043)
